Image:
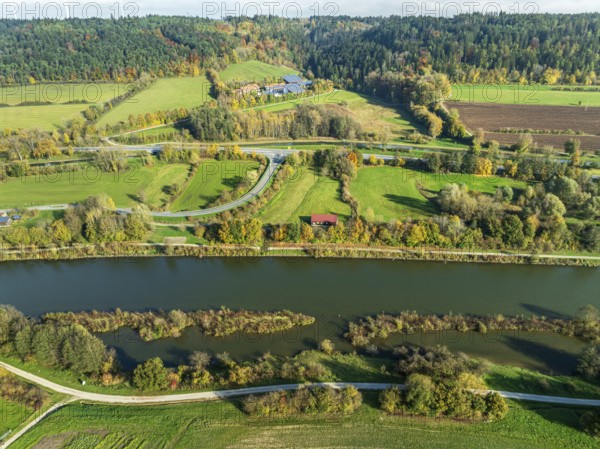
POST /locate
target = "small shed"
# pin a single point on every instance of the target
(5, 221)
(323, 220)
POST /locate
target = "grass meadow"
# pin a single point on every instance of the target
(224, 425)
(374, 115)
(526, 95)
(305, 194)
(393, 193)
(254, 71)
(62, 188)
(164, 94)
(211, 179)
(50, 116)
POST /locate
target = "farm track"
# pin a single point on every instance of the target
(74, 395)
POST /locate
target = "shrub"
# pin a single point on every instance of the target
(151, 375)
(327, 346)
(590, 423)
(304, 401)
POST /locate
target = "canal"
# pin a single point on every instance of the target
(334, 291)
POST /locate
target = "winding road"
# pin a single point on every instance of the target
(79, 395)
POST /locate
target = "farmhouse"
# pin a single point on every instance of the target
(323, 220)
(5, 221)
(248, 89)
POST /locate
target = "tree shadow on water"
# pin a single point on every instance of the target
(542, 311)
(554, 360)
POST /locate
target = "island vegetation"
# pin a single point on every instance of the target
(586, 325)
(161, 324)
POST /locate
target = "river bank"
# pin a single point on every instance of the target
(316, 251)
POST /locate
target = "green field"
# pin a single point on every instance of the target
(211, 179)
(434, 182)
(13, 415)
(305, 194)
(73, 187)
(510, 378)
(46, 118)
(254, 71)
(392, 193)
(58, 93)
(163, 95)
(51, 116)
(223, 425)
(527, 95)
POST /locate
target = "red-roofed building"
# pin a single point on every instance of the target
(323, 220)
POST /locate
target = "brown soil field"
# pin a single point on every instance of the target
(494, 117)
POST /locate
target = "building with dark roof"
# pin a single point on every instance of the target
(294, 84)
(292, 79)
(275, 89)
(294, 89)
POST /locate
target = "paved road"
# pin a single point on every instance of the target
(74, 395)
(224, 394)
(274, 163)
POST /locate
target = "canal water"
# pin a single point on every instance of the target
(334, 291)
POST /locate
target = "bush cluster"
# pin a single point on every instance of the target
(310, 401)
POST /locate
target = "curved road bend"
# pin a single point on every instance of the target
(275, 161)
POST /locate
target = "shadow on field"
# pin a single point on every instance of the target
(136, 198)
(423, 207)
(232, 182)
(557, 414)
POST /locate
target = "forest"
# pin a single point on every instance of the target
(468, 48)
